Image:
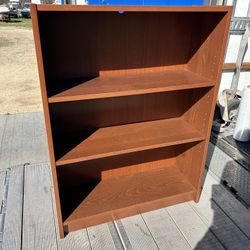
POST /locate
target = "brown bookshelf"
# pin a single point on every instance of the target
(128, 96)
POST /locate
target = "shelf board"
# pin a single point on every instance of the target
(130, 195)
(117, 140)
(116, 86)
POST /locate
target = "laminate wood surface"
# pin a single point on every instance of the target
(45, 7)
(131, 138)
(120, 197)
(103, 87)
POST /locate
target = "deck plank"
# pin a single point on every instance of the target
(2, 185)
(13, 214)
(38, 222)
(3, 121)
(2, 202)
(7, 142)
(195, 231)
(41, 152)
(34, 142)
(28, 138)
(135, 230)
(77, 240)
(73, 241)
(17, 148)
(228, 203)
(220, 224)
(164, 230)
(22, 139)
(101, 238)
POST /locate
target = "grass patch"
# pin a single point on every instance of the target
(18, 23)
(5, 42)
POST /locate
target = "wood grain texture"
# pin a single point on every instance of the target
(116, 166)
(38, 222)
(137, 232)
(103, 87)
(23, 139)
(7, 142)
(198, 63)
(3, 120)
(3, 177)
(122, 45)
(75, 241)
(220, 224)
(130, 195)
(13, 214)
(227, 202)
(183, 216)
(2, 184)
(45, 7)
(39, 55)
(164, 230)
(231, 67)
(101, 238)
(73, 121)
(132, 138)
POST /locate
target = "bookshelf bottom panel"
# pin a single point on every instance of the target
(128, 195)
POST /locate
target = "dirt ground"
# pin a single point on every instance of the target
(19, 84)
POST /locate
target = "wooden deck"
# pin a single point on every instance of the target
(27, 215)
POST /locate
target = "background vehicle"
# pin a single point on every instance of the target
(26, 10)
(4, 13)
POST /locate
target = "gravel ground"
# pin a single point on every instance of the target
(19, 84)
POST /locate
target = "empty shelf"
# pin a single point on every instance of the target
(117, 140)
(128, 195)
(115, 86)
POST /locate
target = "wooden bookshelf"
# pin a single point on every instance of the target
(128, 95)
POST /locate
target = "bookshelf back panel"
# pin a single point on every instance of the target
(85, 176)
(110, 43)
(72, 122)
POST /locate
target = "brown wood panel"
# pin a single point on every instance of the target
(206, 49)
(207, 61)
(39, 55)
(122, 44)
(189, 161)
(230, 67)
(123, 196)
(83, 115)
(103, 87)
(130, 138)
(46, 7)
(120, 165)
(88, 173)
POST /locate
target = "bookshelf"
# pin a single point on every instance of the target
(128, 95)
